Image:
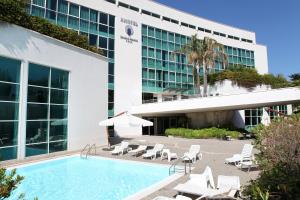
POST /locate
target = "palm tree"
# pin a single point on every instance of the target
(203, 53)
(192, 50)
(211, 52)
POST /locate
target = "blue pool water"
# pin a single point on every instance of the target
(95, 178)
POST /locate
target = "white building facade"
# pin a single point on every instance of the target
(52, 95)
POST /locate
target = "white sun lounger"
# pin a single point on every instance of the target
(246, 155)
(120, 149)
(228, 185)
(193, 154)
(140, 149)
(198, 184)
(152, 153)
(178, 197)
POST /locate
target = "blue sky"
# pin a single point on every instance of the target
(276, 23)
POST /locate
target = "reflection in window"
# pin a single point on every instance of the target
(9, 107)
(47, 110)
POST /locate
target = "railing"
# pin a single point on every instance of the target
(173, 169)
(88, 148)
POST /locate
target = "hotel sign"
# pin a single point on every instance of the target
(130, 25)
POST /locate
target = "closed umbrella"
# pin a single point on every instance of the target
(265, 118)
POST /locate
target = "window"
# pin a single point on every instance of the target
(74, 10)
(9, 107)
(47, 108)
(150, 14)
(129, 6)
(111, 1)
(51, 4)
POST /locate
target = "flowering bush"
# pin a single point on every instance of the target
(279, 160)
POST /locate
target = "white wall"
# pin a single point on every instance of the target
(87, 98)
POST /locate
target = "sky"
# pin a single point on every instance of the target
(275, 22)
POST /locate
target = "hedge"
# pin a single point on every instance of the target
(14, 12)
(202, 133)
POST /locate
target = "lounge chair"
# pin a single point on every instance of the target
(152, 153)
(140, 149)
(193, 154)
(227, 185)
(166, 153)
(246, 155)
(198, 183)
(178, 197)
(120, 149)
(247, 164)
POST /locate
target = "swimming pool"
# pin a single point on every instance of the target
(73, 178)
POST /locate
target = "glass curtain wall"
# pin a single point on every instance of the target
(9, 107)
(98, 26)
(47, 110)
(253, 116)
(162, 69)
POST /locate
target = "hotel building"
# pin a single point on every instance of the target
(53, 94)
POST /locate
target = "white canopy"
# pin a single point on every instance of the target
(125, 120)
(265, 118)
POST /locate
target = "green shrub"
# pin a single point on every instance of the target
(248, 78)
(279, 160)
(202, 133)
(9, 182)
(14, 12)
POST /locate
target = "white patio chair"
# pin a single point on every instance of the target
(140, 149)
(152, 153)
(120, 149)
(246, 155)
(166, 153)
(193, 154)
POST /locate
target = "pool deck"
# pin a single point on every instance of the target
(214, 153)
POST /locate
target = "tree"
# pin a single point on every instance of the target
(8, 183)
(192, 50)
(295, 77)
(211, 52)
(203, 53)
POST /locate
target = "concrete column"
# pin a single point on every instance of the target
(22, 109)
(159, 98)
(178, 96)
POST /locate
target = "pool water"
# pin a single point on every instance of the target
(74, 178)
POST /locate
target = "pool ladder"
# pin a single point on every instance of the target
(186, 168)
(88, 149)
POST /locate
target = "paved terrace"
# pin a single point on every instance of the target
(214, 152)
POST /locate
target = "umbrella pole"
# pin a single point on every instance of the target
(108, 142)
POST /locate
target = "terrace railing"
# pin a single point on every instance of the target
(88, 149)
(175, 168)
